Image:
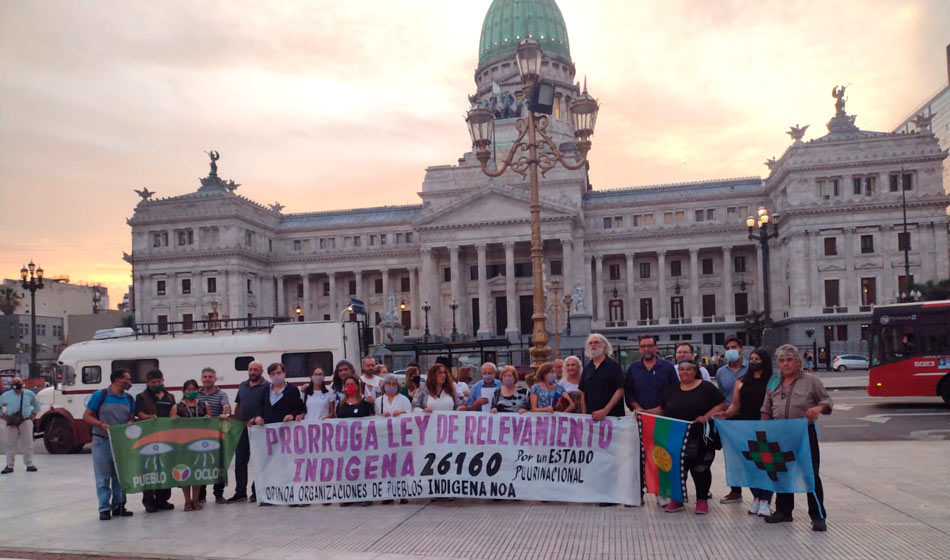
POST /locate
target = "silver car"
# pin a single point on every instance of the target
(845, 362)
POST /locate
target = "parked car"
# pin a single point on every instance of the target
(845, 362)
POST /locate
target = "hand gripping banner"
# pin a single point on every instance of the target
(173, 452)
(559, 457)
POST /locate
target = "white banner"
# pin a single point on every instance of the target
(557, 457)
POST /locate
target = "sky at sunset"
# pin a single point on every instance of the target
(326, 105)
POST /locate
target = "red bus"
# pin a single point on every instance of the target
(910, 350)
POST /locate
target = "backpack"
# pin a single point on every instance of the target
(102, 401)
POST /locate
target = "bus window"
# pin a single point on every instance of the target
(67, 374)
(91, 375)
(139, 368)
(301, 364)
(241, 362)
(897, 343)
(933, 339)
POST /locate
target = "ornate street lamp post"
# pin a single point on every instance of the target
(425, 309)
(543, 154)
(454, 307)
(759, 231)
(32, 280)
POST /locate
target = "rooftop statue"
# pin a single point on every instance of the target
(214, 162)
(144, 193)
(797, 132)
(838, 93)
(922, 121)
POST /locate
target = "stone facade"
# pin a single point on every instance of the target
(673, 260)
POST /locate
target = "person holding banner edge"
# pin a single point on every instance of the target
(248, 405)
(696, 401)
(191, 407)
(747, 399)
(798, 395)
(110, 406)
(546, 395)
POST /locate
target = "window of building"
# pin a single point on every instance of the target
(357, 241)
(646, 308)
(352, 287)
(842, 333)
(398, 240)
(858, 185)
(831, 246)
(372, 240)
(831, 293)
(679, 217)
(494, 270)
(187, 322)
(186, 237)
(40, 329)
(707, 266)
(408, 237)
(742, 304)
(614, 271)
(710, 214)
(865, 331)
(162, 323)
(382, 239)
(300, 289)
(522, 270)
(556, 268)
(644, 270)
(473, 273)
(615, 310)
(868, 291)
(667, 218)
(250, 286)
(894, 183)
(828, 188)
(160, 288)
(903, 241)
(676, 307)
(404, 284)
(676, 268)
(185, 286)
(731, 213)
(323, 243)
(700, 215)
(326, 288)
(298, 245)
(446, 274)
(867, 244)
(738, 264)
(907, 181)
(870, 184)
(248, 238)
(709, 305)
(212, 285)
(904, 283)
(608, 222)
(378, 285)
(270, 245)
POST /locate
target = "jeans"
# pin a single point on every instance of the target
(107, 479)
(241, 457)
(785, 503)
(20, 437)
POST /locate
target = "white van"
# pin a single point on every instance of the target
(85, 367)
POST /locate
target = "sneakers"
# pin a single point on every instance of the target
(731, 498)
(7, 470)
(764, 509)
(151, 508)
(754, 508)
(104, 516)
(236, 498)
(819, 525)
(662, 501)
(779, 517)
(31, 468)
(702, 507)
(674, 507)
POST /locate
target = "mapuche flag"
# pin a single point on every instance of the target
(663, 440)
(768, 454)
(173, 452)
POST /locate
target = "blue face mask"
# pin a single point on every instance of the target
(732, 356)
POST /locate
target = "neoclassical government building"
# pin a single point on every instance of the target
(674, 260)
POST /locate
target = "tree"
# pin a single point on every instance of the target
(9, 299)
(754, 326)
(932, 291)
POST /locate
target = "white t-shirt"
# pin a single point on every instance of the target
(400, 402)
(373, 384)
(567, 385)
(318, 404)
(443, 403)
(461, 388)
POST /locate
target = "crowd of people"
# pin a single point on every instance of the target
(743, 387)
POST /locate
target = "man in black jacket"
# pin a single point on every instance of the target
(283, 402)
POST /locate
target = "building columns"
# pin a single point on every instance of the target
(281, 310)
(662, 312)
(727, 293)
(631, 315)
(484, 329)
(696, 311)
(414, 298)
(512, 328)
(588, 286)
(567, 264)
(599, 315)
(455, 281)
(307, 312)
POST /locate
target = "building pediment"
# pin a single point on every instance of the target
(492, 204)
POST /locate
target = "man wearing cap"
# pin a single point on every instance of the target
(18, 409)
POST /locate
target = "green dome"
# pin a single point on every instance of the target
(506, 22)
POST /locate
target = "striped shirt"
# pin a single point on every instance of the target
(215, 401)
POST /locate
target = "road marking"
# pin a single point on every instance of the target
(928, 435)
(847, 426)
(845, 406)
(882, 418)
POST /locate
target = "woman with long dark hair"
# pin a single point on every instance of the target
(318, 401)
(438, 394)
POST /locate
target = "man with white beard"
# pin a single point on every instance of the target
(602, 380)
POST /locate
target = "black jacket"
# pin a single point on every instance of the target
(289, 403)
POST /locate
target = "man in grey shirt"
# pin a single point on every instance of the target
(218, 405)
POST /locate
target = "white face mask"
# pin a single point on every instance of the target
(317, 381)
(277, 379)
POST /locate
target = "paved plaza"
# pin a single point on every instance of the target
(885, 500)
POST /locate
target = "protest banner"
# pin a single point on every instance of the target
(559, 457)
(173, 452)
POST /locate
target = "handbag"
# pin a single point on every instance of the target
(16, 418)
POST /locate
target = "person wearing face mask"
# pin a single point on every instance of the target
(248, 405)
(481, 393)
(602, 381)
(354, 405)
(726, 377)
(18, 409)
(283, 402)
(155, 402)
(191, 407)
(109, 407)
(413, 381)
(747, 399)
(318, 401)
(391, 403)
(546, 395)
(509, 398)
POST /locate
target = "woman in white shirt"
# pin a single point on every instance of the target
(438, 394)
(391, 403)
(317, 399)
(570, 382)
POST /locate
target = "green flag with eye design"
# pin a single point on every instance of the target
(173, 452)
